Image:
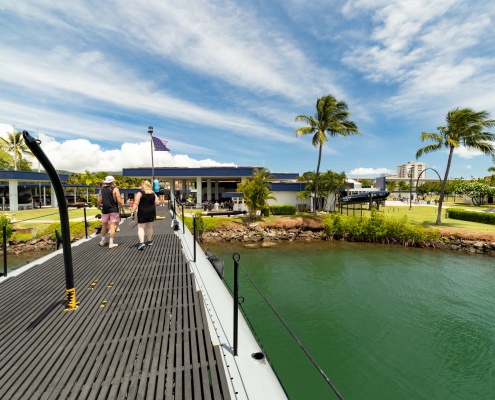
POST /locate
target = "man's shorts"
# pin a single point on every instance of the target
(112, 217)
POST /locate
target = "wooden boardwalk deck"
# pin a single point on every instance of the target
(140, 331)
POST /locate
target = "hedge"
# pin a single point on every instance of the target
(283, 209)
(472, 216)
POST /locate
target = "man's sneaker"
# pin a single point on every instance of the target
(112, 245)
(102, 243)
(150, 243)
(141, 246)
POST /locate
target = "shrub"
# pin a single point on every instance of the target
(5, 221)
(283, 209)
(204, 224)
(378, 229)
(473, 216)
(93, 200)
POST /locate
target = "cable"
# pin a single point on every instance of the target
(322, 373)
(318, 368)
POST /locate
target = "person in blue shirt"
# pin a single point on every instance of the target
(156, 186)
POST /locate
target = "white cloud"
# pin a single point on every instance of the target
(79, 155)
(361, 171)
(463, 152)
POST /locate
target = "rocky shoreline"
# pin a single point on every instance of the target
(44, 243)
(267, 237)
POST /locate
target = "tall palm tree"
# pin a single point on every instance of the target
(464, 127)
(14, 144)
(331, 118)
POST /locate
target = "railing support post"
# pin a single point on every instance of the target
(183, 220)
(4, 230)
(194, 237)
(236, 258)
(85, 223)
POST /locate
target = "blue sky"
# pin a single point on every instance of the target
(223, 81)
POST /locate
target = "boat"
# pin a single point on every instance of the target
(362, 196)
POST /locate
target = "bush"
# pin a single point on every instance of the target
(6, 221)
(204, 224)
(93, 200)
(283, 209)
(378, 229)
(472, 216)
(77, 229)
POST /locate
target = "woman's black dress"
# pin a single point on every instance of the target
(146, 208)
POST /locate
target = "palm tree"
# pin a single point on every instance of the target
(331, 118)
(256, 191)
(15, 144)
(492, 168)
(464, 127)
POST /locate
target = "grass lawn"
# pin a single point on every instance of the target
(42, 219)
(48, 214)
(426, 215)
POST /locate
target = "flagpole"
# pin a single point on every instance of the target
(150, 131)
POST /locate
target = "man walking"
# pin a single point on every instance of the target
(111, 202)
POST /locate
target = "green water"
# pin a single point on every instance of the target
(16, 261)
(383, 322)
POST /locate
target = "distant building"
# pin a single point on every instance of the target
(414, 168)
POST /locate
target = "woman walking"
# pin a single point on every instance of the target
(145, 203)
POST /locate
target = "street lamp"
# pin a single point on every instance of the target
(410, 187)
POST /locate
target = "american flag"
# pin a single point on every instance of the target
(160, 145)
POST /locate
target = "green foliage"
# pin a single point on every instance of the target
(378, 229)
(77, 229)
(204, 224)
(428, 187)
(477, 190)
(6, 221)
(93, 200)
(256, 191)
(473, 216)
(283, 209)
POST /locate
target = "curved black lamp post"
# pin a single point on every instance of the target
(436, 172)
(35, 148)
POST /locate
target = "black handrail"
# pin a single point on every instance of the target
(35, 148)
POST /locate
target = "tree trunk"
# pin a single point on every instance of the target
(315, 199)
(442, 188)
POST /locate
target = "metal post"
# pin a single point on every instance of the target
(410, 189)
(236, 258)
(194, 237)
(4, 229)
(85, 223)
(150, 131)
(183, 220)
(35, 148)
